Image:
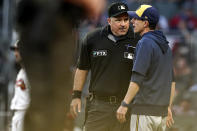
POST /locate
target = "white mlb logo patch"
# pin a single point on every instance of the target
(128, 55)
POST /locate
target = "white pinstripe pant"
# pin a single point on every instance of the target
(18, 120)
(147, 123)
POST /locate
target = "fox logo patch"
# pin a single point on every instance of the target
(99, 53)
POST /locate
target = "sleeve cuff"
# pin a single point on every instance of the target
(137, 78)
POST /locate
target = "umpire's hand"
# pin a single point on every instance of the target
(121, 114)
(75, 107)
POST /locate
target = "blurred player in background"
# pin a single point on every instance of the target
(21, 99)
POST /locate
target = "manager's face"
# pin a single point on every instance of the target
(139, 25)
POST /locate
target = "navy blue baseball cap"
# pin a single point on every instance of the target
(146, 12)
(117, 8)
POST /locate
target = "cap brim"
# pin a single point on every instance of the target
(132, 14)
(13, 48)
(119, 13)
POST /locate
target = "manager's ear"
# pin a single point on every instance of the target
(146, 23)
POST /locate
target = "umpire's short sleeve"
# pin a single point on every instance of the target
(84, 57)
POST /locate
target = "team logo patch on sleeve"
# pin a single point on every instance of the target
(99, 53)
(20, 83)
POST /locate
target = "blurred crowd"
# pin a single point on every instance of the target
(178, 20)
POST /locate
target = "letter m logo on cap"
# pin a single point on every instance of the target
(141, 10)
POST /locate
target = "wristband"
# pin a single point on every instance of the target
(76, 94)
(124, 104)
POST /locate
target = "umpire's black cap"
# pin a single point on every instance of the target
(116, 9)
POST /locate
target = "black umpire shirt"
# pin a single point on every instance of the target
(110, 60)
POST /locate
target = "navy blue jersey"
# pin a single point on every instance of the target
(153, 65)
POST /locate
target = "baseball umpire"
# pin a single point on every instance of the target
(108, 53)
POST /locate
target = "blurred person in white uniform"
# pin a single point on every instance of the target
(21, 99)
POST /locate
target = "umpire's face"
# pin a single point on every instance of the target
(119, 24)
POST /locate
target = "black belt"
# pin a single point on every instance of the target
(110, 99)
